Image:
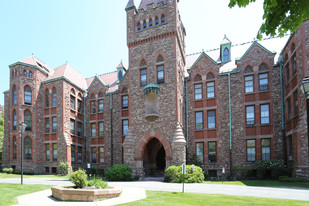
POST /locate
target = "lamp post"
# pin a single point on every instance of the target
(22, 128)
(305, 89)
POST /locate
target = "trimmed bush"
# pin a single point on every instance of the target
(194, 174)
(8, 170)
(100, 184)
(64, 168)
(119, 172)
(269, 169)
(79, 178)
(18, 172)
(291, 179)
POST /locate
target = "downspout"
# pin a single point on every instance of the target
(112, 144)
(187, 116)
(280, 61)
(85, 142)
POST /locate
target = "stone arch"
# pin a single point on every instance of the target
(263, 67)
(248, 69)
(210, 75)
(142, 62)
(197, 78)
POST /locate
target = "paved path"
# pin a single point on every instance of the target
(136, 190)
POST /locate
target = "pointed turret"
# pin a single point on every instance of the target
(130, 5)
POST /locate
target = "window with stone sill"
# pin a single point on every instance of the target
(210, 87)
(162, 19)
(263, 81)
(287, 72)
(14, 148)
(47, 152)
(72, 153)
(198, 91)
(212, 151)
(94, 155)
(249, 84)
(28, 148)
(28, 120)
(55, 149)
(211, 119)
(27, 95)
(125, 126)
(25, 73)
(101, 154)
(160, 74)
(294, 67)
(295, 98)
(139, 27)
(144, 24)
(199, 151)
(47, 98)
(79, 129)
(14, 95)
(14, 120)
(265, 145)
(72, 102)
(54, 97)
(72, 126)
(79, 106)
(157, 20)
(47, 126)
(93, 130)
(79, 154)
(125, 102)
(54, 124)
(264, 114)
(250, 115)
(30, 74)
(143, 76)
(150, 22)
(250, 150)
(100, 105)
(199, 120)
(101, 129)
(93, 107)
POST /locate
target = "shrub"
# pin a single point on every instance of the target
(64, 168)
(291, 179)
(194, 174)
(119, 172)
(79, 178)
(18, 172)
(269, 168)
(8, 170)
(194, 160)
(100, 184)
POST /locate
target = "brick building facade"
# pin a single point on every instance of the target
(230, 106)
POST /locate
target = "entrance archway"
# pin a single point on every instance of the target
(154, 158)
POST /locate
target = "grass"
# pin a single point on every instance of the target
(6, 176)
(9, 192)
(263, 183)
(176, 198)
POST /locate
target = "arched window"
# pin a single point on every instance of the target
(72, 99)
(14, 120)
(263, 67)
(28, 119)
(157, 20)
(30, 74)
(197, 78)
(160, 70)
(100, 103)
(47, 98)
(150, 22)
(248, 69)
(14, 95)
(226, 55)
(144, 24)
(120, 75)
(25, 73)
(27, 95)
(160, 59)
(162, 19)
(143, 63)
(12, 73)
(14, 148)
(54, 97)
(210, 76)
(138, 26)
(28, 148)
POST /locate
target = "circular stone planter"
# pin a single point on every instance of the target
(86, 195)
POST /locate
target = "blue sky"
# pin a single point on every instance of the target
(91, 35)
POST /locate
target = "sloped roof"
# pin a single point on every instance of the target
(130, 4)
(32, 60)
(109, 78)
(144, 3)
(69, 73)
(274, 45)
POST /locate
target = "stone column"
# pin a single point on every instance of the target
(178, 146)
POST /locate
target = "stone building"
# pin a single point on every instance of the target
(230, 106)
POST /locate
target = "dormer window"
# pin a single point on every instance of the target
(145, 25)
(138, 27)
(157, 21)
(30, 74)
(150, 22)
(25, 73)
(226, 55)
(162, 19)
(119, 75)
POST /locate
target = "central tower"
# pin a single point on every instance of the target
(155, 39)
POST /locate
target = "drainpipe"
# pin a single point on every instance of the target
(187, 116)
(112, 143)
(85, 142)
(280, 61)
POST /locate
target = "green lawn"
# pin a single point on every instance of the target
(6, 176)
(176, 198)
(9, 192)
(263, 183)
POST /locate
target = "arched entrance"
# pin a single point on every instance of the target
(154, 158)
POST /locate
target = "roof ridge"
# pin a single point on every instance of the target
(101, 74)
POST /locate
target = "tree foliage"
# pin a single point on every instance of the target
(280, 16)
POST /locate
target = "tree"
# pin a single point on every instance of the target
(1, 134)
(280, 16)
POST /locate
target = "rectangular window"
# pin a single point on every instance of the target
(125, 126)
(199, 120)
(100, 107)
(72, 102)
(160, 74)
(79, 106)
(79, 129)
(101, 154)
(54, 122)
(54, 99)
(210, 89)
(212, 151)
(28, 97)
(47, 152)
(287, 72)
(290, 146)
(47, 127)
(211, 119)
(294, 67)
(94, 155)
(80, 154)
(125, 102)
(92, 107)
(199, 151)
(265, 145)
(72, 153)
(54, 152)
(265, 114)
(250, 117)
(93, 130)
(198, 91)
(250, 150)
(288, 106)
(249, 84)
(263, 81)
(295, 96)
(101, 129)
(72, 126)
(143, 73)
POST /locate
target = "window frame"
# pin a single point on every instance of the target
(79, 154)
(125, 127)
(248, 86)
(101, 129)
(72, 102)
(160, 68)
(211, 119)
(47, 125)
(72, 126)
(93, 155)
(100, 106)
(79, 128)
(250, 121)
(47, 152)
(93, 129)
(196, 94)
(253, 156)
(263, 87)
(55, 151)
(54, 124)
(125, 101)
(27, 148)
(212, 157)
(27, 95)
(208, 90)
(28, 119)
(199, 148)
(143, 73)
(101, 155)
(197, 122)
(263, 154)
(295, 98)
(261, 115)
(73, 159)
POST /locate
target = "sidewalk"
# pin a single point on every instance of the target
(44, 198)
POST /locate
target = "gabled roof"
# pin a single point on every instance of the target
(35, 62)
(109, 79)
(130, 5)
(270, 45)
(70, 74)
(225, 40)
(193, 58)
(144, 3)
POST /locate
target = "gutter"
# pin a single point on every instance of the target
(187, 115)
(84, 99)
